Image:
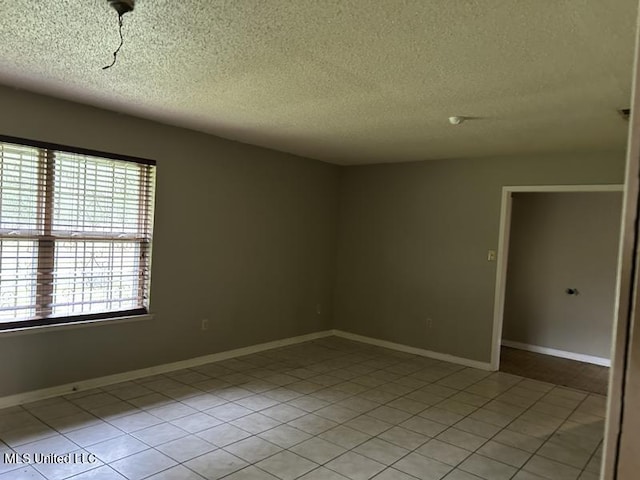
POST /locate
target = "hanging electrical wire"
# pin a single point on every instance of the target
(121, 7)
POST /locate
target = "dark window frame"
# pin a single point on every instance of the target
(46, 240)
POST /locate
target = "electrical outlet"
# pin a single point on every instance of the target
(491, 256)
(429, 322)
(204, 324)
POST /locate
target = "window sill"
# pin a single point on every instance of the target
(73, 325)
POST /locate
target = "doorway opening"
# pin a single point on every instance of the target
(555, 283)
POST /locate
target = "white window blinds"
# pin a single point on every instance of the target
(75, 234)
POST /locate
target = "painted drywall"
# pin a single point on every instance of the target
(560, 241)
(413, 242)
(629, 458)
(244, 236)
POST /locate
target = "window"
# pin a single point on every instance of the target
(75, 234)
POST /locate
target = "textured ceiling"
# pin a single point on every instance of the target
(349, 82)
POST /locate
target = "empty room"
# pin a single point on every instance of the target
(319, 240)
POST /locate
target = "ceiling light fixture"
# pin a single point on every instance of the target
(456, 120)
(121, 7)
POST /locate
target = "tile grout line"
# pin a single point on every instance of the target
(452, 373)
(367, 357)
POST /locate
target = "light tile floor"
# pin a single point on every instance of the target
(330, 409)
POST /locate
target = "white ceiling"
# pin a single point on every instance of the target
(349, 82)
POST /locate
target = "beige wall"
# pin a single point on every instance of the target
(413, 241)
(560, 241)
(244, 236)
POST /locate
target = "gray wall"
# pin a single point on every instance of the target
(244, 236)
(559, 241)
(413, 241)
(251, 239)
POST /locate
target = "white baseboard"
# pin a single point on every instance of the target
(82, 385)
(79, 386)
(580, 357)
(416, 351)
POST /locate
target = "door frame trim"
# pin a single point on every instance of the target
(503, 248)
